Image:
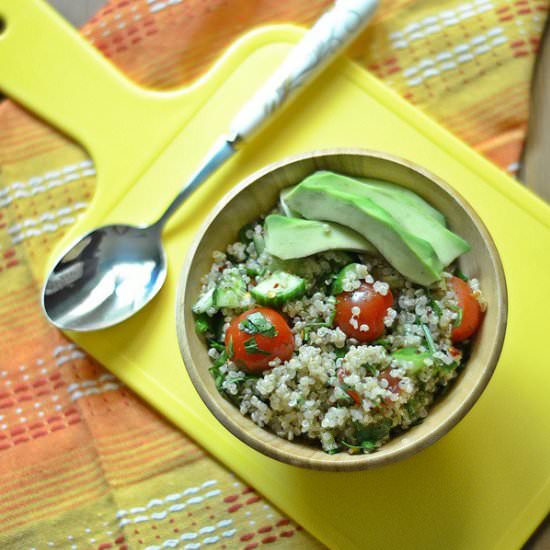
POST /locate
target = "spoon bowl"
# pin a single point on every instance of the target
(105, 277)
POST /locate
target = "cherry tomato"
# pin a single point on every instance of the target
(371, 310)
(471, 311)
(393, 382)
(252, 350)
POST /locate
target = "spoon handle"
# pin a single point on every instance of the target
(322, 43)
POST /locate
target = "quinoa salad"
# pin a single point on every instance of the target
(338, 347)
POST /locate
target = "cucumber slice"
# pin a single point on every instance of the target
(414, 361)
(204, 303)
(338, 283)
(278, 289)
(231, 291)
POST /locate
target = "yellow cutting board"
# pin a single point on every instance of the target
(484, 485)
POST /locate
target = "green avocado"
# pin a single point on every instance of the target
(410, 255)
(447, 245)
(406, 196)
(289, 238)
(284, 206)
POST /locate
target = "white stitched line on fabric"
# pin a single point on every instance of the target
(94, 391)
(70, 170)
(87, 383)
(171, 498)
(173, 543)
(37, 189)
(65, 358)
(18, 233)
(46, 228)
(158, 6)
(162, 514)
(61, 349)
(462, 53)
(47, 216)
(430, 25)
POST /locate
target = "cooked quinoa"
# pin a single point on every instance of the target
(313, 395)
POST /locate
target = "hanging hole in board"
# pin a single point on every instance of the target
(2, 25)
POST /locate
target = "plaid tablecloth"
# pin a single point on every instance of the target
(83, 462)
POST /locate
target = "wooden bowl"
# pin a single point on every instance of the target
(257, 195)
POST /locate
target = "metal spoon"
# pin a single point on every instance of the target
(115, 270)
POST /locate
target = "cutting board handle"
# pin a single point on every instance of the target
(46, 66)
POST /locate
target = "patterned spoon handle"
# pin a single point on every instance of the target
(326, 39)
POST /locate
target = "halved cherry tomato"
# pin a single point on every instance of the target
(471, 310)
(253, 350)
(371, 310)
(393, 382)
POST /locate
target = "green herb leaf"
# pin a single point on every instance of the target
(340, 352)
(317, 325)
(217, 375)
(411, 406)
(435, 306)
(368, 445)
(461, 275)
(333, 451)
(374, 432)
(221, 359)
(216, 345)
(202, 325)
(448, 368)
(429, 338)
(256, 323)
(458, 321)
(381, 342)
(371, 369)
(251, 346)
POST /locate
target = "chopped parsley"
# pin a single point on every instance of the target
(202, 325)
(435, 306)
(461, 275)
(340, 352)
(256, 323)
(429, 338)
(371, 369)
(216, 345)
(458, 321)
(251, 346)
(366, 445)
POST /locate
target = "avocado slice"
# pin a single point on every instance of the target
(289, 238)
(410, 255)
(447, 245)
(407, 196)
(284, 206)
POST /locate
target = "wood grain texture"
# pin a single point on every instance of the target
(256, 196)
(535, 164)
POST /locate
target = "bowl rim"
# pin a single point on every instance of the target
(351, 462)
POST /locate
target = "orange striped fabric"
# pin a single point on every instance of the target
(83, 462)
